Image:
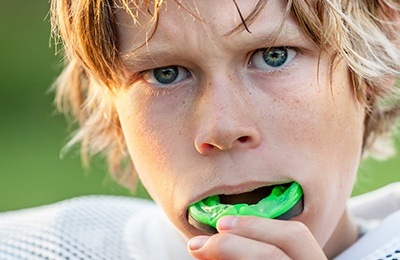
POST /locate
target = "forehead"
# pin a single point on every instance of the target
(209, 17)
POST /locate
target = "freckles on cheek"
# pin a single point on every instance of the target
(340, 132)
(324, 120)
(147, 133)
(134, 123)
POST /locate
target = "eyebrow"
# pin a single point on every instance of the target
(286, 32)
(156, 54)
(153, 54)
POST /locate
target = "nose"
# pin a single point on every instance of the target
(226, 120)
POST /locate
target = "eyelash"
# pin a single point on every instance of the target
(159, 88)
(290, 60)
(164, 88)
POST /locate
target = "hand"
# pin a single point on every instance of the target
(257, 238)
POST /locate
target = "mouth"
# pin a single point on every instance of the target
(283, 201)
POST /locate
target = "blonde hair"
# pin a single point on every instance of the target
(364, 33)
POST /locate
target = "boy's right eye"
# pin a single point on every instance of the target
(165, 76)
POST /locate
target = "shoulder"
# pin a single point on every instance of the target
(81, 228)
(383, 242)
(385, 238)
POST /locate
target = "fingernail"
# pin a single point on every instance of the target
(227, 223)
(198, 242)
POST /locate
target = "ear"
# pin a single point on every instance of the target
(389, 10)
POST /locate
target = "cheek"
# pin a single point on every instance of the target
(331, 129)
(144, 143)
(158, 144)
(313, 129)
(318, 123)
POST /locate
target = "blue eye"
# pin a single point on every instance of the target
(166, 75)
(272, 58)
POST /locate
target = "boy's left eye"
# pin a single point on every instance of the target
(272, 59)
(165, 76)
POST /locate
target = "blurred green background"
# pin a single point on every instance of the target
(32, 134)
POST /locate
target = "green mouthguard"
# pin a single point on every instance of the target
(282, 198)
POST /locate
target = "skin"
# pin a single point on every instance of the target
(229, 125)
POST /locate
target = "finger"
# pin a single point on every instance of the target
(292, 237)
(230, 246)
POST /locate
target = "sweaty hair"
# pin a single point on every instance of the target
(364, 33)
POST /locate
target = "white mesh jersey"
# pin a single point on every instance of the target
(110, 227)
(92, 227)
(380, 209)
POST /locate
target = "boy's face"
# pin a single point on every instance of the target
(227, 116)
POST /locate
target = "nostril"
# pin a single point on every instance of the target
(206, 146)
(243, 139)
(225, 142)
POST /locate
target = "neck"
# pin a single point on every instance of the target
(344, 235)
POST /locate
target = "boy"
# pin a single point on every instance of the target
(230, 98)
